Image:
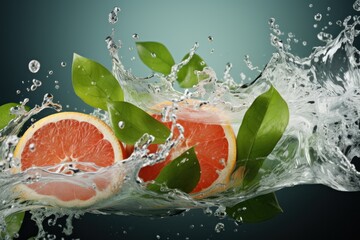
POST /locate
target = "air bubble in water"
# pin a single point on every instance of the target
(63, 64)
(51, 72)
(304, 43)
(219, 227)
(311, 5)
(210, 38)
(36, 82)
(18, 91)
(34, 66)
(328, 8)
(318, 16)
(356, 5)
(113, 15)
(315, 25)
(32, 147)
(135, 36)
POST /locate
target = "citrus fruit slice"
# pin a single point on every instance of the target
(214, 142)
(66, 143)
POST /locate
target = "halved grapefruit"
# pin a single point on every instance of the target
(215, 146)
(65, 143)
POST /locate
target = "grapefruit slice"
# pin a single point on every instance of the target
(214, 142)
(67, 143)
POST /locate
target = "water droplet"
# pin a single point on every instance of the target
(33, 88)
(51, 72)
(153, 55)
(304, 43)
(113, 15)
(210, 38)
(34, 66)
(208, 211)
(36, 82)
(318, 17)
(18, 91)
(271, 22)
(219, 227)
(325, 37)
(291, 35)
(63, 64)
(121, 124)
(32, 147)
(135, 36)
(356, 5)
(330, 23)
(311, 5)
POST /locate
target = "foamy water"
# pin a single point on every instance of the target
(318, 146)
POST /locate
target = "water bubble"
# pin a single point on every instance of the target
(242, 76)
(210, 38)
(291, 35)
(318, 17)
(51, 72)
(113, 15)
(63, 64)
(330, 23)
(34, 66)
(219, 227)
(132, 59)
(135, 36)
(328, 8)
(325, 37)
(32, 147)
(220, 212)
(304, 43)
(356, 5)
(271, 22)
(315, 25)
(192, 226)
(158, 237)
(57, 87)
(18, 91)
(311, 5)
(212, 50)
(121, 124)
(36, 82)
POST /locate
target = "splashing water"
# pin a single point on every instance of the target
(319, 146)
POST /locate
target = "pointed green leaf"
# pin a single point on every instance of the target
(5, 114)
(262, 127)
(156, 56)
(130, 123)
(182, 173)
(13, 224)
(256, 209)
(186, 75)
(93, 83)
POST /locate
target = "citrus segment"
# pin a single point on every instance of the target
(214, 143)
(67, 143)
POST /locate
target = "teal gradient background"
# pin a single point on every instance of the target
(51, 31)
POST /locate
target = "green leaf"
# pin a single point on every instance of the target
(182, 173)
(186, 76)
(256, 209)
(94, 84)
(5, 114)
(262, 127)
(134, 123)
(156, 56)
(13, 224)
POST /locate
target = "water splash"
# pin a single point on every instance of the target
(320, 144)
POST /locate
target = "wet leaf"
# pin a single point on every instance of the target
(130, 123)
(186, 75)
(156, 56)
(93, 83)
(5, 114)
(256, 209)
(262, 127)
(182, 173)
(13, 224)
